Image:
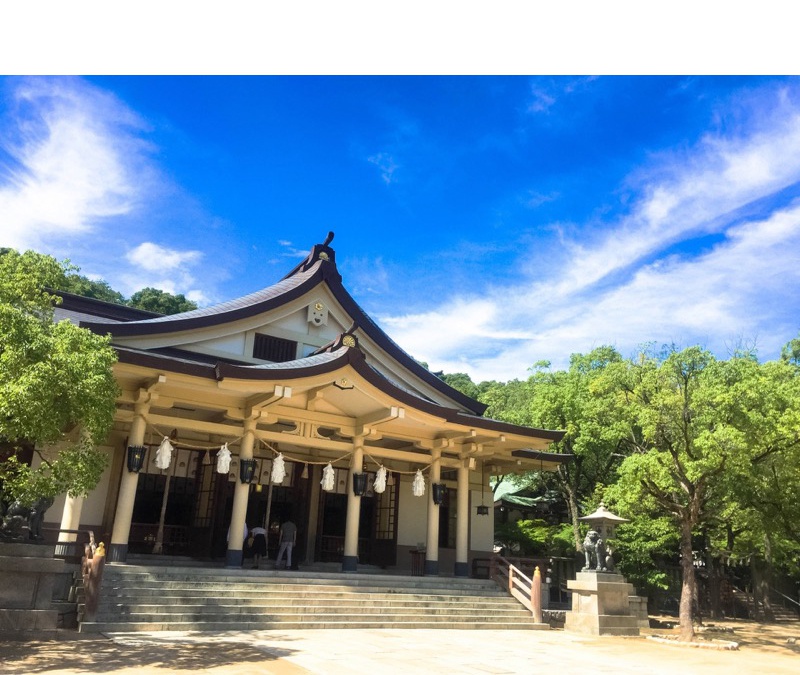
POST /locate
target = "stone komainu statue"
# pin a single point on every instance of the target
(15, 518)
(595, 551)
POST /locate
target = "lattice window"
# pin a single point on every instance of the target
(275, 349)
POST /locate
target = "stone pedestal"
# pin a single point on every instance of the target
(600, 605)
(27, 579)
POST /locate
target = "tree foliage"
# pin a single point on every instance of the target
(155, 300)
(701, 454)
(56, 383)
(90, 288)
(582, 402)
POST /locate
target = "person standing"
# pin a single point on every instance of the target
(288, 538)
(259, 535)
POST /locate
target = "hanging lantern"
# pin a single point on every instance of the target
(224, 459)
(418, 486)
(247, 469)
(278, 469)
(483, 510)
(164, 454)
(328, 481)
(136, 458)
(438, 491)
(380, 480)
(359, 484)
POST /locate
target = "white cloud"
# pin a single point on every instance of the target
(155, 258)
(164, 268)
(75, 161)
(629, 283)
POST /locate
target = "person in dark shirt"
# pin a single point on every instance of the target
(288, 538)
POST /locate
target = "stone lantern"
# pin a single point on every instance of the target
(603, 603)
(602, 524)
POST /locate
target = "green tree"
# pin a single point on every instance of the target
(56, 384)
(760, 524)
(89, 288)
(582, 402)
(689, 432)
(462, 382)
(155, 300)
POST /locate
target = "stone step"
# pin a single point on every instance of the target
(131, 611)
(369, 606)
(135, 598)
(296, 593)
(267, 587)
(330, 622)
(113, 578)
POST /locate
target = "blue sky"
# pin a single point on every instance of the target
(486, 223)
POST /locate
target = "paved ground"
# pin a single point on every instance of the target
(773, 649)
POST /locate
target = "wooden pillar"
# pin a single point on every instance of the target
(234, 555)
(118, 550)
(432, 544)
(462, 521)
(350, 558)
(314, 475)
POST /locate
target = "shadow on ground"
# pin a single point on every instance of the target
(100, 655)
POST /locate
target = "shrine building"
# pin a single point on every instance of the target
(291, 402)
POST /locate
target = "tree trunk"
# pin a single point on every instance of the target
(762, 580)
(574, 514)
(712, 566)
(688, 584)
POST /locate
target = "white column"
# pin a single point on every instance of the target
(432, 544)
(118, 550)
(70, 520)
(241, 493)
(462, 521)
(350, 559)
(314, 475)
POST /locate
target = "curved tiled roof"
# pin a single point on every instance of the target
(318, 267)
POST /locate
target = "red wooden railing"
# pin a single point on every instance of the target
(527, 590)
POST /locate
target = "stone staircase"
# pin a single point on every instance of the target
(174, 598)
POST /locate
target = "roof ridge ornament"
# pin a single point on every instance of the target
(319, 252)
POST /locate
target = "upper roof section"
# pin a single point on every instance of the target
(310, 288)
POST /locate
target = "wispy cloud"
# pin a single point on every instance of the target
(79, 179)
(286, 249)
(642, 277)
(546, 93)
(386, 164)
(75, 155)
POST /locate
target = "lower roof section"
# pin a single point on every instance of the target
(326, 402)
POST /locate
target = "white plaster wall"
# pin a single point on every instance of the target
(93, 505)
(481, 534)
(230, 344)
(412, 525)
(296, 322)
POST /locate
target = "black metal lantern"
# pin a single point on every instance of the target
(359, 484)
(136, 458)
(438, 491)
(483, 510)
(247, 469)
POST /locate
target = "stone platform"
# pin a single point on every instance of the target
(601, 605)
(28, 574)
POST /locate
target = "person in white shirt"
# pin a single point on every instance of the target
(259, 548)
